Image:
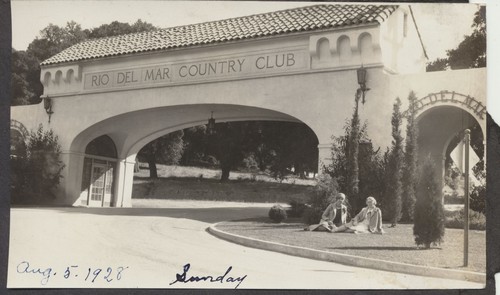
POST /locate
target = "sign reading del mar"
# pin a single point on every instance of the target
(199, 70)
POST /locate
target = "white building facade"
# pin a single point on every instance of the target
(109, 97)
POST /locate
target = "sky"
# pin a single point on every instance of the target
(442, 26)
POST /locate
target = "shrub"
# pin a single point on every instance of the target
(478, 198)
(297, 209)
(41, 169)
(477, 220)
(277, 213)
(454, 198)
(249, 163)
(429, 217)
(320, 198)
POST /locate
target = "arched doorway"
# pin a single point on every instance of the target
(441, 128)
(18, 137)
(98, 173)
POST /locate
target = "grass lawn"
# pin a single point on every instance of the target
(185, 183)
(172, 171)
(213, 190)
(397, 244)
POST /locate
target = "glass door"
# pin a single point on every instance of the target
(97, 185)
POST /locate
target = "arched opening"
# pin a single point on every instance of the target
(17, 144)
(365, 47)
(17, 162)
(98, 173)
(199, 164)
(344, 48)
(133, 130)
(58, 77)
(323, 49)
(69, 75)
(437, 139)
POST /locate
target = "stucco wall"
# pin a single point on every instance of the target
(318, 91)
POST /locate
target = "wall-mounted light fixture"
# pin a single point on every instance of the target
(361, 72)
(47, 105)
(211, 125)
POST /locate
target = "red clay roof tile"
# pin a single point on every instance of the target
(280, 22)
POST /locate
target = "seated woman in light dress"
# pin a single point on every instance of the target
(336, 212)
(369, 220)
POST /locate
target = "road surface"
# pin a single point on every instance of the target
(150, 248)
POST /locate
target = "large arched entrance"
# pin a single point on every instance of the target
(132, 131)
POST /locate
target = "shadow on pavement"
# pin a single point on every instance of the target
(208, 215)
(376, 248)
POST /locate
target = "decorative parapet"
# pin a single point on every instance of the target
(345, 49)
(61, 79)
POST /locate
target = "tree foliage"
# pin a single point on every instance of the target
(38, 173)
(167, 150)
(276, 147)
(326, 188)
(25, 79)
(53, 39)
(196, 148)
(286, 145)
(471, 52)
(429, 219)
(395, 165)
(410, 173)
(352, 155)
(371, 168)
(118, 28)
(230, 143)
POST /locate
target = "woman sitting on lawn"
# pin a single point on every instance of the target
(328, 218)
(369, 220)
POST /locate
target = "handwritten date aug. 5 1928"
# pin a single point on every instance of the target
(72, 272)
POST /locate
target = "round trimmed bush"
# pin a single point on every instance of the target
(277, 213)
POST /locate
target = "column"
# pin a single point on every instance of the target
(124, 183)
(69, 189)
(324, 156)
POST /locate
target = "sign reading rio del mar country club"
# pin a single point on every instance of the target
(199, 70)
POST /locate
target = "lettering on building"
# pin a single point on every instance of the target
(467, 101)
(200, 71)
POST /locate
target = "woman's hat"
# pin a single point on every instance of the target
(372, 199)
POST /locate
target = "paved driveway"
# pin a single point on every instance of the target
(149, 248)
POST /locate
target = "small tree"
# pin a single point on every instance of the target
(320, 198)
(409, 180)
(429, 219)
(370, 164)
(41, 169)
(167, 150)
(352, 155)
(394, 171)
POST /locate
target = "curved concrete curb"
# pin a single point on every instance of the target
(350, 259)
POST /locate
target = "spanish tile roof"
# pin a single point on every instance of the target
(300, 19)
